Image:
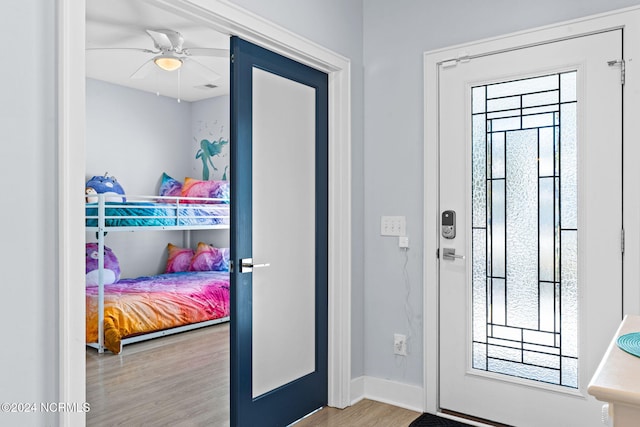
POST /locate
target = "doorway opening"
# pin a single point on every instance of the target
(227, 19)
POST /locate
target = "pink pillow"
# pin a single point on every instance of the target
(213, 189)
(179, 259)
(208, 258)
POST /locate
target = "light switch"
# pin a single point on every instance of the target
(393, 226)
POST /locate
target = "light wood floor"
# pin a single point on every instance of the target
(183, 380)
(365, 413)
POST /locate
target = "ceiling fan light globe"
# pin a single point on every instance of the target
(168, 63)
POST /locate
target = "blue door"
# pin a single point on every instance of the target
(279, 184)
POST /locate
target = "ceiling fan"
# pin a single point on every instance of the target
(171, 55)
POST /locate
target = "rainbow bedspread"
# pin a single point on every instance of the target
(147, 304)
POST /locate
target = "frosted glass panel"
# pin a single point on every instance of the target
(501, 104)
(479, 99)
(569, 293)
(514, 334)
(541, 359)
(519, 87)
(525, 308)
(570, 372)
(479, 183)
(547, 152)
(498, 296)
(568, 173)
(537, 120)
(498, 241)
(524, 371)
(504, 343)
(538, 110)
(547, 229)
(522, 229)
(479, 356)
(544, 98)
(503, 114)
(547, 306)
(511, 123)
(568, 87)
(283, 128)
(497, 155)
(479, 284)
(504, 353)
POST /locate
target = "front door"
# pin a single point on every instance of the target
(279, 143)
(530, 178)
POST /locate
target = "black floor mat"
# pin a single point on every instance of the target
(430, 420)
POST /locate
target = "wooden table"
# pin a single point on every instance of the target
(617, 379)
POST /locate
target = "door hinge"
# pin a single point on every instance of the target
(232, 58)
(622, 241)
(623, 68)
(438, 253)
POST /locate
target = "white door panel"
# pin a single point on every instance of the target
(539, 228)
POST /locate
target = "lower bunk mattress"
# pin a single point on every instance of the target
(153, 303)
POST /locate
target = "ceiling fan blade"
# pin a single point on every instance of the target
(137, 49)
(201, 69)
(166, 39)
(206, 51)
(144, 70)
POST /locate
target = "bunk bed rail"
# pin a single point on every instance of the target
(156, 212)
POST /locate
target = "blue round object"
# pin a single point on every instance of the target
(630, 343)
(105, 185)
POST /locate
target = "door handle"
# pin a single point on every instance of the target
(247, 265)
(450, 254)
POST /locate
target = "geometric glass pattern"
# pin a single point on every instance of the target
(524, 229)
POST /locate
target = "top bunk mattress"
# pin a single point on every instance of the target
(181, 213)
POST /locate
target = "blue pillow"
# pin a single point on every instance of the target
(169, 186)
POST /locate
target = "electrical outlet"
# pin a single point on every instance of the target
(400, 344)
(393, 226)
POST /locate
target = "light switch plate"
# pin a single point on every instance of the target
(393, 226)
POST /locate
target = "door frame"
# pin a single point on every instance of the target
(629, 20)
(228, 19)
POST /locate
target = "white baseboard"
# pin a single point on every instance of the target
(394, 393)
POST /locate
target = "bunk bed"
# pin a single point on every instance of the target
(133, 310)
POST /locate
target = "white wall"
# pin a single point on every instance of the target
(136, 135)
(396, 34)
(28, 254)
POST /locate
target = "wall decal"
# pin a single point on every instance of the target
(207, 151)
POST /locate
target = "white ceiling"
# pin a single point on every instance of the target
(122, 24)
